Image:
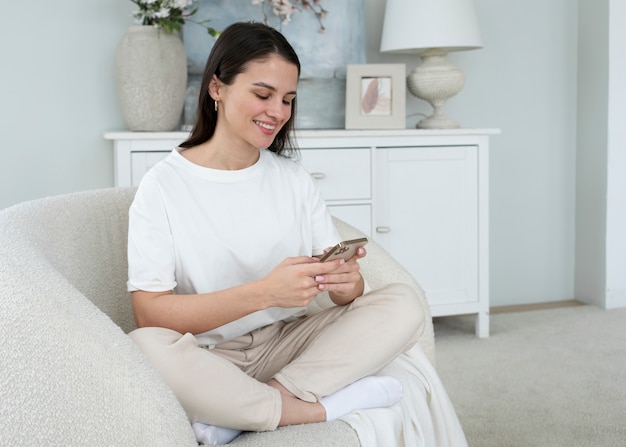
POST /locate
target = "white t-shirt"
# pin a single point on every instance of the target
(198, 230)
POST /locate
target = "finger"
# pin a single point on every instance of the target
(349, 266)
(349, 277)
(300, 260)
(341, 288)
(360, 253)
(321, 268)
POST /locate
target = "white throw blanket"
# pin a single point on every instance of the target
(425, 421)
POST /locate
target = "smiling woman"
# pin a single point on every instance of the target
(220, 291)
(225, 65)
(253, 110)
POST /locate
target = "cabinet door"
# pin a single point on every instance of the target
(141, 162)
(144, 154)
(426, 216)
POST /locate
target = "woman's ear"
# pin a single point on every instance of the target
(214, 88)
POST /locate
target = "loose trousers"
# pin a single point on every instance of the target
(312, 357)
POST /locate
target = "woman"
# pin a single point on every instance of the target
(222, 238)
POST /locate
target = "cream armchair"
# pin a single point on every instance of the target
(69, 375)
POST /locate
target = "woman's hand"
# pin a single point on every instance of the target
(345, 283)
(295, 282)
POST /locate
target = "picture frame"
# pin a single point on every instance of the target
(375, 96)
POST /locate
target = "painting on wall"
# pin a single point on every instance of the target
(323, 55)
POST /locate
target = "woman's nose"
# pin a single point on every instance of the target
(279, 110)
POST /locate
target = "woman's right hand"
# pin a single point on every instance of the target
(292, 283)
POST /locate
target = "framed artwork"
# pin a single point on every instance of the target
(375, 96)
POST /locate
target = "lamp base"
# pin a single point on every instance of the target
(437, 121)
(435, 81)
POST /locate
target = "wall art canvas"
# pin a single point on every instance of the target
(323, 55)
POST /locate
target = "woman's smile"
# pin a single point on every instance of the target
(265, 126)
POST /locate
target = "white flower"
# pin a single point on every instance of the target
(172, 14)
(178, 4)
(283, 9)
(163, 13)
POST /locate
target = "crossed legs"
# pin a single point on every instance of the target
(307, 366)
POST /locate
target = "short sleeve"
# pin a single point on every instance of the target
(151, 255)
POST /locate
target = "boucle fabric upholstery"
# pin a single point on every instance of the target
(379, 269)
(69, 375)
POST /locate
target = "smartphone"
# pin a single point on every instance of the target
(345, 249)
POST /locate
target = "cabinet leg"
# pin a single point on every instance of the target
(482, 324)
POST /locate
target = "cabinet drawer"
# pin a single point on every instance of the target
(342, 174)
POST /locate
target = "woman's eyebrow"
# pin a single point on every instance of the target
(269, 87)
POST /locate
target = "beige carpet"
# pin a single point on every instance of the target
(554, 377)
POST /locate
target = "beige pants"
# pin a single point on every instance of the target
(312, 357)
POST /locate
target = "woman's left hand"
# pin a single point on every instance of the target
(345, 283)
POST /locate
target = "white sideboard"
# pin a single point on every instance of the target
(422, 194)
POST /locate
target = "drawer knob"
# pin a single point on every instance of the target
(318, 175)
(383, 229)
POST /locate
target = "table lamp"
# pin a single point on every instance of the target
(431, 29)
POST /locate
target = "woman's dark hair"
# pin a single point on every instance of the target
(237, 46)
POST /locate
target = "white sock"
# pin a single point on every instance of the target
(212, 434)
(369, 392)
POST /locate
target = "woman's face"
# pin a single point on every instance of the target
(258, 103)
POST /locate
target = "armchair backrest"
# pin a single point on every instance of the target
(83, 237)
(62, 360)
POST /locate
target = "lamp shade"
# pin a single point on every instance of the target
(412, 26)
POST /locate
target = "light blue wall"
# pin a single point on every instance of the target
(601, 163)
(522, 81)
(58, 96)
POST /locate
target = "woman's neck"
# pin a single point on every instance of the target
(216, 155)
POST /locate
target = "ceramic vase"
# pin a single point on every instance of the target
(151, 77)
